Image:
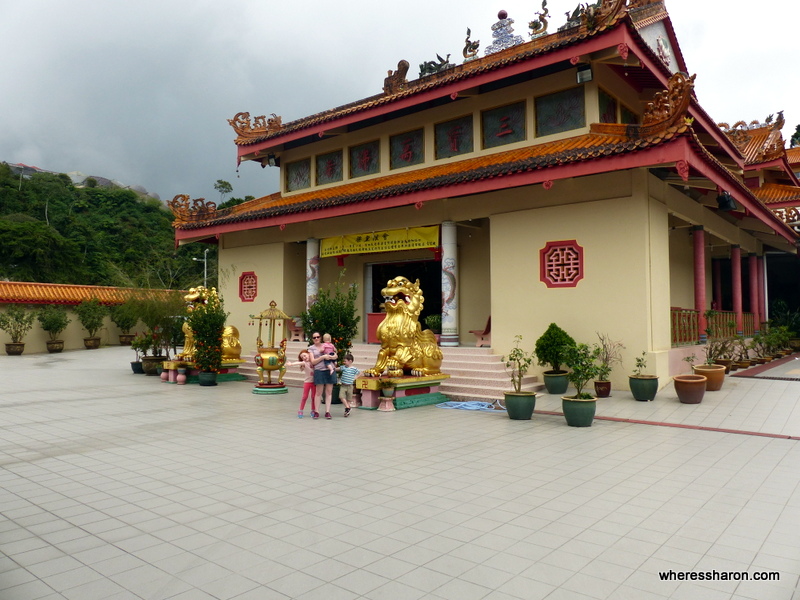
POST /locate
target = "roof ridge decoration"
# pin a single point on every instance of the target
(538, 27)
(669, 106)
(396, 80)
(186, 210)
(773, 145)
(260, 125)
(503, 34)
(470, 50)
(594, 16)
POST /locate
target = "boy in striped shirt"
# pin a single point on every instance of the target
(347, 377)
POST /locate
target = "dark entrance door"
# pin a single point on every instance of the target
(429, 273)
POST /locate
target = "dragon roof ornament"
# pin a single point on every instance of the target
(245, 130)
(668, 108)
(186, 209)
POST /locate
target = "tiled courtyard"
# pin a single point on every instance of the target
(117, 486)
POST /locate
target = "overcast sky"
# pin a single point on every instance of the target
(141, 91)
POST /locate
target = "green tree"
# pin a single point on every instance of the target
(224, 188)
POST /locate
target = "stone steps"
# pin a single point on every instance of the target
(475, 373)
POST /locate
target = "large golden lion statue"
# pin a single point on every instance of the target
(231, 347)
(405, 348)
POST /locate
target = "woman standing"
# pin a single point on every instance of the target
(323, 378)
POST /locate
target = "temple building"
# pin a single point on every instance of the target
(566, 176)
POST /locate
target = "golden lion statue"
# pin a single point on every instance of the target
(404, 346)
(231, 347)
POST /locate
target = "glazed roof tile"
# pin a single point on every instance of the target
(773, 193)
(23, 292)
(793, 157)
(603, 140)
(757, 142)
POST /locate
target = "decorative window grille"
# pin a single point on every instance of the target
(248, 286)
(561, 264)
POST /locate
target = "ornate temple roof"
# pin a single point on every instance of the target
(608, 15)
(774, 194)
(757, 142)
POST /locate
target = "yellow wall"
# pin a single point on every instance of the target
(626, 277)
(36, 338)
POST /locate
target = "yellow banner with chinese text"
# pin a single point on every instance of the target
(381, 241)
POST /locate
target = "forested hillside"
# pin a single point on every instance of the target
(53, 232)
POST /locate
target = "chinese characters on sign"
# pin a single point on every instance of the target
(406, 149)
(503, 125)
(454, 137)
(381, 241)
(365, 159)
(329, 167)
(298, 175)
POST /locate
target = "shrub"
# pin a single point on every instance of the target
(91, 314)
(517, 363)
(53, 319)
(552, 346)
(334, 312)
(208, 322)
(16, 322)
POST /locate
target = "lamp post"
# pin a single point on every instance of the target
(205, 266)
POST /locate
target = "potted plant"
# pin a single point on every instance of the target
(434, 323)
(690, 387)
(643, 387)
(711, 370)
(519, 404)
(550, 349)
(16, 322)
(141, 345)
(741, 352)
(579, 409)
(125, 317)
(207, 322)
(91, 314)
(387, 388)
(53, 319)
(334, 312)
(609, 354)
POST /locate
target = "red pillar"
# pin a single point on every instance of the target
(699, 242)
(736, 284)
(762, 297)
(716, 277)
(753, 264)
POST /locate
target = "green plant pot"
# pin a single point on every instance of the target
(206, 379)
(578, 413)
(556, 382)
(136, 367)
(644, 387)
(520, 405)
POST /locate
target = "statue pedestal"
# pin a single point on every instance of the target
(269, 389)
(228, 371)
(409, 392)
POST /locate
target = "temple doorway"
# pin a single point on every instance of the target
(429, 273)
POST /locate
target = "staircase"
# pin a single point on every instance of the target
(475, 373)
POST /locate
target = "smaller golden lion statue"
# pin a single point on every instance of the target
(405, 347)
(231, 347)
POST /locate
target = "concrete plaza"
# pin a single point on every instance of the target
(117, 486)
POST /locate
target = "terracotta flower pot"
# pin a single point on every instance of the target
(690, 388)
(714, 374)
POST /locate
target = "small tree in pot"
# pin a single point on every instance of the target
(643, 387)
(609, 354)
(125, 316)
(519, 404)
(91, 314)
(579, 409)
(16, 322)
(208, 322)
(53, 319)
(551, 350)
